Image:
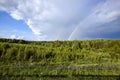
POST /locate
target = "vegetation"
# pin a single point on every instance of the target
(48, 60)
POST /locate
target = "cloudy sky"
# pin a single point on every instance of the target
(60, 19)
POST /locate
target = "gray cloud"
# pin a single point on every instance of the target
(102, 14)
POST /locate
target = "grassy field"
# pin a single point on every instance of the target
(59, 60)
(32, 71)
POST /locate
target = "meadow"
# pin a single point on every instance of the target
(59, 60)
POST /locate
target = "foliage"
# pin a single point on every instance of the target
(59, 58)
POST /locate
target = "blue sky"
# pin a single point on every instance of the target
(11, 28)
(60, 19)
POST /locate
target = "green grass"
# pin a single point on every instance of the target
(54, 71)
(60, 60)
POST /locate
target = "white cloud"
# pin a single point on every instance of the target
(45, 18)
(16, 37)
(16, 15)
(55, 19)
(13, 36)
